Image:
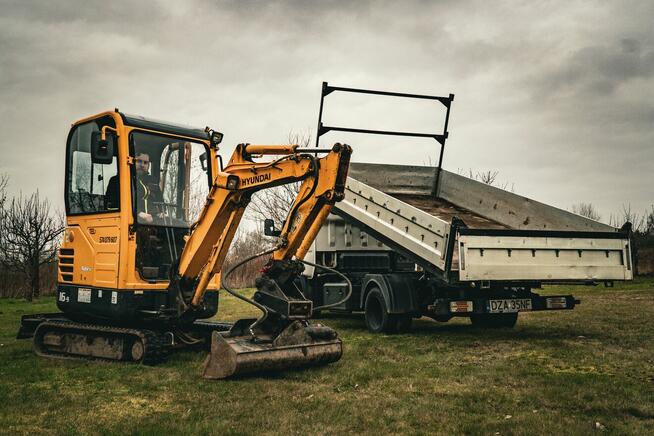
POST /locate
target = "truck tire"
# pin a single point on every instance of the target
(378, 320)
(494, 320)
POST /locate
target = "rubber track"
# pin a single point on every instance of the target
(155, 348)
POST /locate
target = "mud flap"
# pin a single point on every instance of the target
(299, 345)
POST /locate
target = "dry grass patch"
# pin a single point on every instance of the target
(554, 373)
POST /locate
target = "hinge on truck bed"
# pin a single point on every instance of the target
(457, 223)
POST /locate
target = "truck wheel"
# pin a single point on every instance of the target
(378, 319)
(494, 320)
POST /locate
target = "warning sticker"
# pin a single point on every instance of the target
(83, 295)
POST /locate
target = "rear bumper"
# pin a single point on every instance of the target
(475, 306)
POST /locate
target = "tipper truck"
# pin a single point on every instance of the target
(422, 241)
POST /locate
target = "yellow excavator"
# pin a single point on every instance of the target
(150, 215)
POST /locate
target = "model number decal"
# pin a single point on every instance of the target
(108, 239)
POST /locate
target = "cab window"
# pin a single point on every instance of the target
(170, 186)
(171, 179)
(90, 187)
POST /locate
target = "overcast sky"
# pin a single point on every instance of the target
(556, 96)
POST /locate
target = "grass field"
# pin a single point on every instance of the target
(587, 370)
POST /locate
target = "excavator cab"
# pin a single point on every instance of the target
(134, 187)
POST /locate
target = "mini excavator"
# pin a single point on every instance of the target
(150, 216)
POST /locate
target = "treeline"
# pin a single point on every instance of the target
(642, 240)
(30, 232)
(642, 236)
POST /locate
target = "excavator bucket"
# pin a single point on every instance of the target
(299, 345)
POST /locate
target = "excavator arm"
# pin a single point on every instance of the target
(323, 184)
(282, 337)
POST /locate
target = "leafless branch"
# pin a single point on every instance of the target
(586, 210)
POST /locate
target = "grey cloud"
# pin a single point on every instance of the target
(558, 97)
(598, 70)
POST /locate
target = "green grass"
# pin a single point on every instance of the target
(558, 372)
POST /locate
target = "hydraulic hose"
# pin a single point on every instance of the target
(261, 307)
(347, 281)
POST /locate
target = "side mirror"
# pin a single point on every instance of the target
(216, 138)
(203, 161)
(269, 228)
(102, 151)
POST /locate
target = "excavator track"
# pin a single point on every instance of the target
(71, 340)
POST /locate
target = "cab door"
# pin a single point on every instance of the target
(92, 207)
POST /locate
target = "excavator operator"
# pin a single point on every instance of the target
(147, 190)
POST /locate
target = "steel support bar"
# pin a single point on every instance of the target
(439, 137)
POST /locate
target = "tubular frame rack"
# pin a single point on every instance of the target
(440, 137)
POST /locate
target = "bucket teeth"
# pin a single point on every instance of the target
(296, 346)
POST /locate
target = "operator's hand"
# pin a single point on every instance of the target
(145, 218)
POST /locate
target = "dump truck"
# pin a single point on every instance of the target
(422, 241)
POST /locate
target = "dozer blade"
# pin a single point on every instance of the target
(297, 346)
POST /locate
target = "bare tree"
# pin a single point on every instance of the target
(4, 181)
(30, 234)
(488, 177)
(637, 221)
(649, 222)
(246, 243)
(643, 241)
(642, 236)
(586, 210)
(275, 203)
(4, 271)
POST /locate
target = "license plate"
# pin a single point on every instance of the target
(509, 306)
